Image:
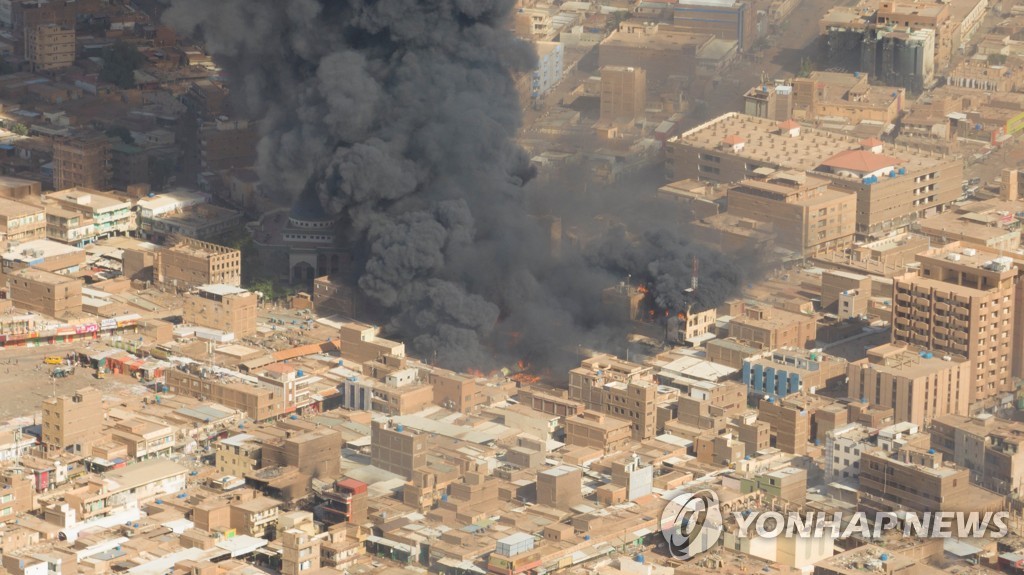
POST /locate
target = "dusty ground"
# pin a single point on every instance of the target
(25, 380)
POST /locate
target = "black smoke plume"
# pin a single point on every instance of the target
(400, 115)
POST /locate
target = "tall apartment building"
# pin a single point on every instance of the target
(623, 94)
(621, 389)
(809, 216)
(73, 423)
(191, 263)
(82, 160)
(396, 449)
(894, 187)
(918, 385)
(224, 307)
(962, 302)
(991, 449)
(50, 47)
(21, 222)
(80, 216)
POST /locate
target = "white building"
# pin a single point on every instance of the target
(843, 447)
(550, 67)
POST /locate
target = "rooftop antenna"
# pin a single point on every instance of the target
(693, 278)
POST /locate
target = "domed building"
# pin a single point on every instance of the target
(311, 240)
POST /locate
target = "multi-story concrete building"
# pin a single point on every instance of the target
(80, 216)
(893, 187)
(809, 216)
(962, 302)
(232, 390)
(621, 389)
(597, 430)
(20, 189)
(144, 437)
(772, 328)
(623, 94)
(21, 222)
(726, 19)
(226, 144)
(238, 455)
(790, 425)
(918, 385)
(82, 160)
(191, 263)
(315, 452)
(396, 449)
(300, 552)
(50, 47)
(70, 423)
(54, 295)
(550, 67)
(915, 478)
(346, 503)
(791, 370)
(560, 487)
(843, 446)
(991, 449)
(223, 307)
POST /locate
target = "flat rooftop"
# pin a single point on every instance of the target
(763, 141)
(88, 198)
(38, 249)
(900, 361)
(14, 209)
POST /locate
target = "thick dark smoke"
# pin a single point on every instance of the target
(400, 115)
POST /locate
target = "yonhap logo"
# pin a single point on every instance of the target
(692, 523)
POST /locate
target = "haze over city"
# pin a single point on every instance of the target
(511, 287)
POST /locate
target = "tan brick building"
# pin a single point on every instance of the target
(894, 186)
(81, 161)
(809, 217)
(21, 222)
(191, 263)
(597, 430)
(50, 294)
(223, 307)
(397, 449)
(623, 94)
(991, 449)
(962, 301)
(73, 422)
(50, 47)
(772, 328)
(918, 385)
(621, 389)
(257, 401)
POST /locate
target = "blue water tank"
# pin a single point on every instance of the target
(399, 428)
(863, 399)
(892, 173)
(586, 537)
(293, 417)
(931, 452)
(746, 458)
(903, 171)
(159, 501)
(444, 497)
(884, 557)
(639, 558)
(341, 362)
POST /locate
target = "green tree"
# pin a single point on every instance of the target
(806, 67)
(20, 129)
(121, 132)
(119, 64)
(614, 19)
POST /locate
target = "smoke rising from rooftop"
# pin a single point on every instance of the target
(400, 116)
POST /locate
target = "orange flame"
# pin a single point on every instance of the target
(680, 315)
(641, 288)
